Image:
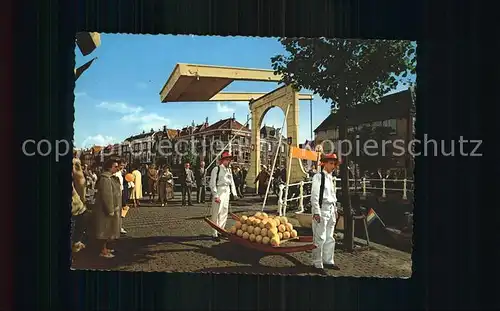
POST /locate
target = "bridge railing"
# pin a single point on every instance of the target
(404, 186)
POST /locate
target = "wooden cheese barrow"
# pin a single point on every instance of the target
(301, 244)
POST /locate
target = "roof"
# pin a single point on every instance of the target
(169, 133)
(139, 136)
(394, 106)
(267, 129)
(191, 82)
(96, 149)
(229, 124)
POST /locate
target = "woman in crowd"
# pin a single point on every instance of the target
(170, 184)
(238, 180)
(120, 174)
(144, 179)
(165, 182)
(78, 207)
(108, 206)
(126, 189)
(136, 192)
(262, 178)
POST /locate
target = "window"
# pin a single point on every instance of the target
(282, 148)
(144, 146)
(392, 123)
(334, 134)
(351, 129)
(269, 147)
(136, 146)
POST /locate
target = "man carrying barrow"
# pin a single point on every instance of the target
(324, 210)
(221, 186)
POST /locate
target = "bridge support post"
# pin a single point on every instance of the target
(301, 196)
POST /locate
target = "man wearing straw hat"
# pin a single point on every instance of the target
(221, 186)
(324, 210)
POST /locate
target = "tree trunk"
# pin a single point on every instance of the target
(345, 200)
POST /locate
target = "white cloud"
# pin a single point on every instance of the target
(120, 107)
(241, 104)
(224, 108)
(99, 140)
(80, 94)
(147, 122)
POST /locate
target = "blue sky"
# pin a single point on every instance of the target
(118, 96)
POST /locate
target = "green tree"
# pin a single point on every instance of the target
(189, 157)
(347, 72)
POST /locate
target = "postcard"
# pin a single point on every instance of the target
(290, 156)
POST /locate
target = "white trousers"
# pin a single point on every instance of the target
(323, 238)
(220, 210)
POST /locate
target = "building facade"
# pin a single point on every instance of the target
(207, 140)
(391, 120)
(138, 149)
(269, 141)
(91, 156)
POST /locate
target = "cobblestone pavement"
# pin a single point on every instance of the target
(175, 238)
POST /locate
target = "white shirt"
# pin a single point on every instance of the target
(120, 177)
(329, 195)
(225, 180)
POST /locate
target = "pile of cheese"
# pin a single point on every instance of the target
(261, 228)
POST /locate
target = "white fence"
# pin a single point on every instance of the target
(365, 187)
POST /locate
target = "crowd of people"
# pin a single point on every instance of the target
(98, 219)
(103, 195)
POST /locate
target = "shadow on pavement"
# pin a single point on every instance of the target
(132, 252)
(249, 260)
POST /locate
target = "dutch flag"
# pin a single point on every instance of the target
(372, 216)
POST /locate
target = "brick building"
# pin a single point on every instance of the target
(90, 156)
(269, 139)
(207, 140)
(139, 149)
(395, 113)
